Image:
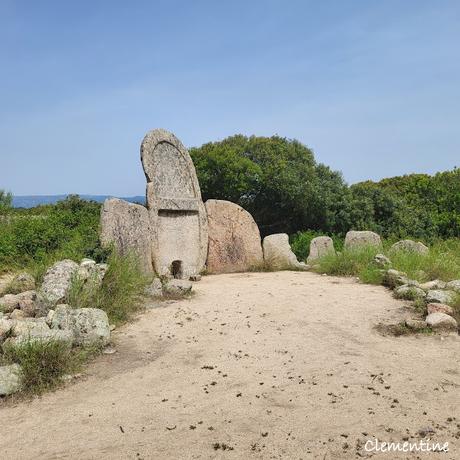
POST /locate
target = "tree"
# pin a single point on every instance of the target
(6, 200)
(276, 179)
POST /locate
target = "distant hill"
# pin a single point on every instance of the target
(30, 201)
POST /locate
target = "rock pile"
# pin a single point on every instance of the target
(42, 316)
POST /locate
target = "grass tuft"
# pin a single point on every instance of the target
(121, 292)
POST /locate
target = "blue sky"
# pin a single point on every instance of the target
(373, 87)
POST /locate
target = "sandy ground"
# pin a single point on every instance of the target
(264, 365)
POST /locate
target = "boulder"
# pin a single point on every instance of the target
(438, 296)
(65, 337)
(89, 326)
(234, 238)
(441, 321)
(439, 308)
(10, 379)
(410, 246)
(278, 254)
(394, 278)
(415, 324)
(56, 284)
(408, 292)
(319, 247)
(454, 286)
(22, 282)
(17, 314)
(24, 301)
(382, 260)
(154, 289)
(127, 227)
(361, 239)
(35, 330)
(433, 285)
(5, 327)
(176, 287)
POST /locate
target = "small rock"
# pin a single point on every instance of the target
(88, 326)
(438, 296)
(439, 308)
(433, 285)
(33, 327)
(454, 285)
(56, 284)
(195, 278)
(382, 260)
(10, 379)
(109, 351)
(112, 327)
(394, 278)
(49, 317)
(441, 321)
(177, 287)
(23, 301)
(5, 328)
(416, 324)
(17, 314)
(154, 289)
(409, 292)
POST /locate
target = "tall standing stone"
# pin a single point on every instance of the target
(234, 238)
(127, 227)
(179, 230)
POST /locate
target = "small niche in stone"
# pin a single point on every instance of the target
(176, 269)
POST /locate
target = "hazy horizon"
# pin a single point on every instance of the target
(371, 87)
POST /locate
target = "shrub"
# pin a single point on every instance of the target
(43, 363)
(351, 262)
(121, 292)
(36, 238)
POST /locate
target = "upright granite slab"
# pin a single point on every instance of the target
(178, 223)
(127, 226)
(234, 238)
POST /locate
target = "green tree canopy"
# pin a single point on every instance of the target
(276, 179)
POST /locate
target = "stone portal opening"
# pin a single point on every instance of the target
(176, 269)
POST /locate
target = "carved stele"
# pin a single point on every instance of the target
(179, 231)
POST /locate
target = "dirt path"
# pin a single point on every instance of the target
(274, 365)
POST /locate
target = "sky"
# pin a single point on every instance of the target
(371, 86)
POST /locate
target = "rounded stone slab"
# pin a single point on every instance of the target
(234, 238)
(410, 246)
(179, 228)
(319, 247)
(127, 227)
(361, 239)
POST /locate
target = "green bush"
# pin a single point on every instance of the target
(352, 262)
(43, 363)
(36, 238)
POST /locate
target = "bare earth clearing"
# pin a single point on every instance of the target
(274, 365)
